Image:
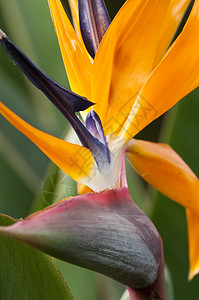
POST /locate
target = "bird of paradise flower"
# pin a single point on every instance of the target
(126, 71)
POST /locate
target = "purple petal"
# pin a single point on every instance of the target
(94, 126)
(66, 101)
(183, 21)
(94, 21)
(105, 232)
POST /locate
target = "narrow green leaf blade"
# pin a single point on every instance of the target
(27, 273)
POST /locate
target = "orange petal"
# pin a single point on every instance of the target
(175, 77)
(66, 156)
(193, 238)
(75, 56)
(83, 189)
(125, 58)
(163, 168)
(75, 15)
(171, 22)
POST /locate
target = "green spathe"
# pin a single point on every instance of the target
(105, 232)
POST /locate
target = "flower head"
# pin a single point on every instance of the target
(123, 75)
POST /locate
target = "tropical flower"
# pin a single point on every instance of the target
(123, 75)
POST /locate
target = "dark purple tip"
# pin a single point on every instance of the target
(61, 97)
(94, 21)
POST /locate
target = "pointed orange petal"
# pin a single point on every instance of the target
(171, 22)
(75, 56)
(66, 156)
(125, 58)
(83, 189)
(75, 15)
(175, 77)
(193, 238)
(164, 169)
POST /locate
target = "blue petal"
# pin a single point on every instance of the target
(94, 125)
(66, 101)
(57, 94)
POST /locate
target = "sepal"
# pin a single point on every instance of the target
(165, 170)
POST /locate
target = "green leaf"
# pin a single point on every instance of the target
(136, 186)
(169, 284)
(27, 273)
(18, 163)
(126, 295)
(91, 285)
(181, 132)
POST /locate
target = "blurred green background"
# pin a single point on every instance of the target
(28, 181)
